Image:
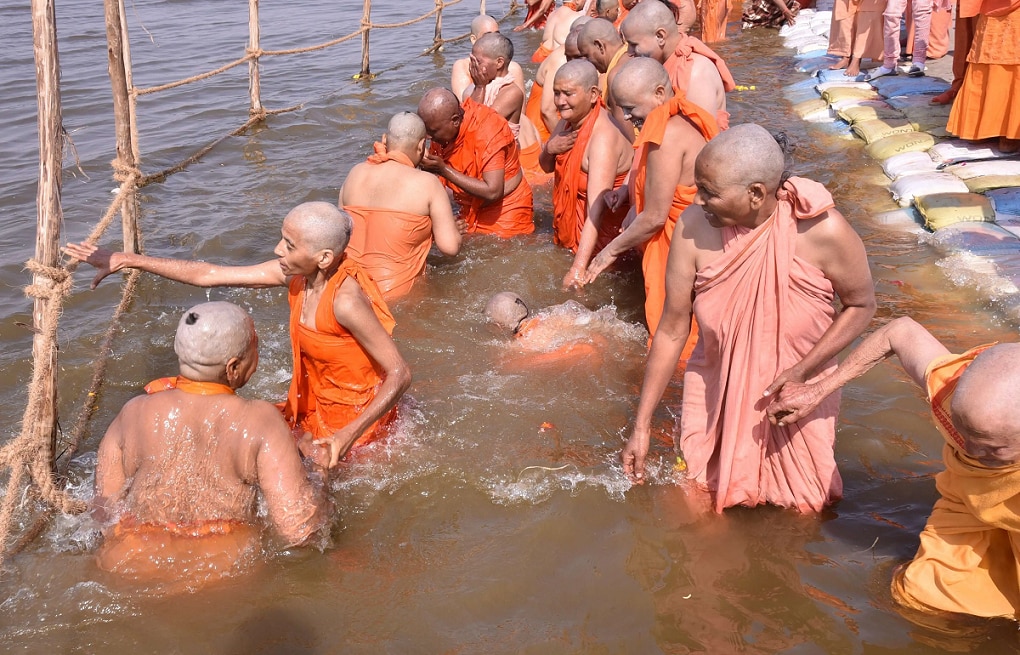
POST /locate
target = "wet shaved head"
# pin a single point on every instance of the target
(580, 72)
(506, 309)
(744, 154)
(210, 335)
(405, 130)
(495, 45)
(483, 24)
(984, 407)
(599, 29)
(322, 226)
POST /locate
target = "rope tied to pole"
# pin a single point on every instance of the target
(123, 172)
(59, 278)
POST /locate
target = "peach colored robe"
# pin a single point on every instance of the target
(680, 63)
(334, 378)
(760, 309)
(967, 561)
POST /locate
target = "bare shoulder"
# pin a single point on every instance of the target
(703, 67)
(830, 228)
(350, 302)
(681, 132)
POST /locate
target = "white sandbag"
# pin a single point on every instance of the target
(797, 40)
(820, 21)
(797, 29)
(970, 169)
(908, 163)
(905, 218)
(957, 150)
(820, 43)
(841, 84)
(1006, 201)
(906, 187)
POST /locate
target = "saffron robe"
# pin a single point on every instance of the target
(680, 63)
(391, 246)
(760, 309)
(570, 193)
(533, 9)
(533, 172)
(656, 251)
(541, 54)
(967, 559)
(334, 378)
(533, 110)
(613, 63)
(484, 144)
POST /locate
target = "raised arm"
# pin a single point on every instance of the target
(908, 340)
(197, 273)
(354, 311)
(667, 345)
(543, 6)
(296, 508)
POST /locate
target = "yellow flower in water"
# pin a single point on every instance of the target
(681, 465)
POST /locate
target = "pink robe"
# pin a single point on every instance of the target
(760, 309)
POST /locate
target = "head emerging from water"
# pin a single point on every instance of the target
(737, 175)
(216, 342)
(984, 407)
(507, 310)
(314, 237)
(442, 114)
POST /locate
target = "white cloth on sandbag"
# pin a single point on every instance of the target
(908, 163)
(907, 187)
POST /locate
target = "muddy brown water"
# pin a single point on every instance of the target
(497, 519)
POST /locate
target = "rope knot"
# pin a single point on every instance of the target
(122, 172)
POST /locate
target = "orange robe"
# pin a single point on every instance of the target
(533, 110)
(334, 378)
(390, 245)
(533, 172)
(623, 14)
(988, 104)
(533, 9)
(653, 261)
(760, 309)
(570, 193)
(484, 144)
(967, 559)
(541, 54)
(680, 63)
(613, 63)
(712, 15)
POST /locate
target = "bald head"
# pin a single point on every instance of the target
(984, 407)
(435, 102)
(608, 9)
(494, 45)
(209, 336)
(744, 154)
(506, 309)
(580, 72)
(602, 31)
(639, 80)
(483, 24)
(321, 226)
(647, 17)
(405, 130)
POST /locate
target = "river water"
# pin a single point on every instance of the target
(497, 519)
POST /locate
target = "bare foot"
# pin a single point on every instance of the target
(842, 63)
(854, 69)
(1008, 146)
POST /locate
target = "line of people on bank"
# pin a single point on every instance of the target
(742, 265)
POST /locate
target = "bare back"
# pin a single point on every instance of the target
(391, 185)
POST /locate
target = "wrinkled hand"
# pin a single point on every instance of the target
(616, 199)
(633, 456)
(599, 263)
(432, 163)
(791, 374)
(795, 401)
(561, 142)
(339, 444)
(98, 258)
(479, 75)
(574, 278)
(319, 455)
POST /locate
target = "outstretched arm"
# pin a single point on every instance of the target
(543, 6)
(908, 340)
(602, 163)
(354, 311)
(200, 274)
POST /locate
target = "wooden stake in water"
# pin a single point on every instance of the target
(366, 20)
(437, 40)
(254, 84)
(127, 161)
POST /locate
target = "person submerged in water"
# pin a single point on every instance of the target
(179, 468)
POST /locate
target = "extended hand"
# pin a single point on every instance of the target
(98, 258)
(574, 278)
(561, 142)
(633, 456)
(795, 401)
(599, 263)
(339, 444)
(789, 375)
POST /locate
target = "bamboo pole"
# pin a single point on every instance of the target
(49, 213)
(122, 103)
(481, 7)
(437, 40)
(366, 20)
(254, 84)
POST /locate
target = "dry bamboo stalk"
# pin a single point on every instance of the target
(254, 84)
(366, 20)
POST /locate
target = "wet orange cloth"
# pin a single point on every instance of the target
(533, 110)
(533, 9)
(760, 309)
(570, 193)
(187, 386)
(334, 378)
(483, 144)
(679, 65)
(541, 54)
(653, 261)
(712, 15)
(988, 104)
(967, 559)
(533, 172)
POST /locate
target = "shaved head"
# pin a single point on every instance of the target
(745, 155)
(580, 72)
(606, 8)
(210, 335)
(495, 45)
(599, 29)
(639, 78)
(483, 24)
(405, 129)
(506, 309)
(437, 101)
(984, 407)
(322, 226)
(646, 17)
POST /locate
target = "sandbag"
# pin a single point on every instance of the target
(842, 93)
(801, 91)
(899, 143)
(907, 188)
(905, 102)
(942, 209)
(976, 238)
(813, 65)
(820, 43)
(908, 163)
(857, 113)
(989, 182)
(928, 118)
(1005, 200)
(797, 39)
(968, 169)
(822, 87)
(901, 85)
(797, 29)
(875, 129)
(838, 76)
(957, 150)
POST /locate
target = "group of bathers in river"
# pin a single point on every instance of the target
(741, 265)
